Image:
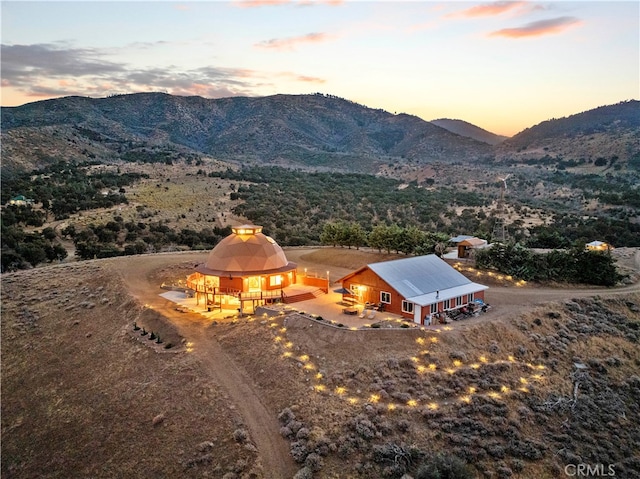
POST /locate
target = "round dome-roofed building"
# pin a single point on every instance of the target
(245, 266)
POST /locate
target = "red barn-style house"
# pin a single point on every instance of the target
(249, 266)
(417, 288)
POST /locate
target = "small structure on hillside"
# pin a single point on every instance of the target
(20, 200)
(598, 246)
(246, 266)
(417, 288)
(466, 246)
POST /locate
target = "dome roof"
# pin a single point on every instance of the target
(247, 250)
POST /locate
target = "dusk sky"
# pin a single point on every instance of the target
(504, 66)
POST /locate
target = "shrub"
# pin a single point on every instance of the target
(240, 435)
(443, 466)
(314, 462)
(299, 451)
(286, 415)
(304, 473)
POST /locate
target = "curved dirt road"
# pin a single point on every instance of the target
(273, 450)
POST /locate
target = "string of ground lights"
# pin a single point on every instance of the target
(498, 276)
(423, 368)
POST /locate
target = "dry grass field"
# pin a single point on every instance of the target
(85, 395)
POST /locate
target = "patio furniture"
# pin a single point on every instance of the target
(372, 314)
(350, 311)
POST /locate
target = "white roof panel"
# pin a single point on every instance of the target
(419, 275)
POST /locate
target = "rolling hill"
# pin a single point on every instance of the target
(463, 128)
(311, 130)
(610, 133)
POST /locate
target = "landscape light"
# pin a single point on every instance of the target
(287, 354)
(414, 359)
(504, 389)
(309, 367)
(353, 400)
(319, 387)
(475, 366)
(433, 339)
(466, 399)
(482, 359)
(374, 398)
(457, 363)
(524, 381)
(391, 407)
(451, 370)
(304, 358)
(277, 339)
(319, 376)
(472, 390)
(494, 395)
(422, 369)
(432, 367)
(288, 345)
(511, 358)
(420, 340)
(412, 403)
(433, 406)
(340, 390)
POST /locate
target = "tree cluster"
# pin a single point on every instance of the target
(118, 238)
(410, 240)
(576, 265)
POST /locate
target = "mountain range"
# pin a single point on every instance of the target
(299, 130)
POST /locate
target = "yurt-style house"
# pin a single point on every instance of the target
(246, 266)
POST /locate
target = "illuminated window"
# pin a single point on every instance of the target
(254, 283)
(385, 297)
(407, 307)
(275, 280)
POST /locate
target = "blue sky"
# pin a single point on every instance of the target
(503, 66)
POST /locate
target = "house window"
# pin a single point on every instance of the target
(385, 297)
(447, 304)
(458, 300)
(470, 298)
(275, 280)
(434, 308)
(407, 307)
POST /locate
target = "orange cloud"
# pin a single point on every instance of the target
(488, 9)
(539, 28)
(291, 42)
(301, 78)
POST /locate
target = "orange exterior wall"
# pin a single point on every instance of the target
(375, 285)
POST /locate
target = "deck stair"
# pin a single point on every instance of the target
(296, 296)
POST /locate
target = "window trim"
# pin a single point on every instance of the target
(382, 299)
(405, 304)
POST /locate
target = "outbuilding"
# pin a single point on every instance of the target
(418, 288)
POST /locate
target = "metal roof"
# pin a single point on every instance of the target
(421, 278)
